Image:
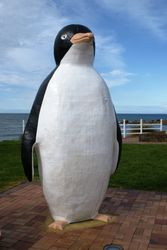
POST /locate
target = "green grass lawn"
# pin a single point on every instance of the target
(142, 166)
(11, 170)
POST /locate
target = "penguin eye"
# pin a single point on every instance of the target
(64, 36)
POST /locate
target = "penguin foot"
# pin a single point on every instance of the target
(103, 217)
(58, 225)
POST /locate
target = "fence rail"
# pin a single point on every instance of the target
(131, 128)
(139, 128)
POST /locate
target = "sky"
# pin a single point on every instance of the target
(131, 49)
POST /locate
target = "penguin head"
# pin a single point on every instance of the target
(69, 35)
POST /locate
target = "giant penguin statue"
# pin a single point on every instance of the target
(74, 130)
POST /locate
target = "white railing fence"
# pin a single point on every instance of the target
(23, 125)
(139, 128)
(129, 128)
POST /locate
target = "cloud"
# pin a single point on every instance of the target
(28, 30)
(117, 77)
(27, 59)
(11, 78)
(150, 14)
(23, 79)
(110, 51)
(27, 37)
(110, 54)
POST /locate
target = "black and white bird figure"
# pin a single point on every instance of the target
(74, 130)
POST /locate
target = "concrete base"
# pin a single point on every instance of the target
(78, 225)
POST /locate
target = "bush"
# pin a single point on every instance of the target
(153, 137)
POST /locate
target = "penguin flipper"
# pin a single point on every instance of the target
(117, 148)
(119, 139)
(29, 136)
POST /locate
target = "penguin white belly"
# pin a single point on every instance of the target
(75, 141)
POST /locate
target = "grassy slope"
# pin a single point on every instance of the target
(141, 167)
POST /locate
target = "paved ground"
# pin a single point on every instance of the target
(141, 222)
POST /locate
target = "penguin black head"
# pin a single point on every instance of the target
(63, 40)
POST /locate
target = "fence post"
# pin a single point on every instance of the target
(141, 126)
(23, 126)
(161, 124)
(124, 128)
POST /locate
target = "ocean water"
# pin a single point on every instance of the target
(11, 125)
(145, 117)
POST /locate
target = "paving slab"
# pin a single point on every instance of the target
(139, 222)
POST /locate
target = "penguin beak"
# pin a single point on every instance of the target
(82, 37)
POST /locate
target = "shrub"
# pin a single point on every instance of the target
(153, 137)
